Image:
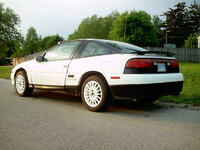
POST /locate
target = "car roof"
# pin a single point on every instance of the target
(111, 41)
(92, 40)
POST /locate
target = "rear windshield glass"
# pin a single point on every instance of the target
(124, 47)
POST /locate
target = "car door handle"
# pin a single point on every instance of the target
(65, 66)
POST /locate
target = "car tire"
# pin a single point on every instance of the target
(22, 85)
(95, 94)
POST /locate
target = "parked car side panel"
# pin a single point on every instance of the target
(49, 73)
(105, 64)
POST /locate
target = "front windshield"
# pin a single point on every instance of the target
(124, 47)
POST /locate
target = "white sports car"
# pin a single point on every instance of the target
(98, 70)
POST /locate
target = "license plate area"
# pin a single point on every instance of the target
(161, 67)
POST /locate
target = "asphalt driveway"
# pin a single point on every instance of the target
(50, 120)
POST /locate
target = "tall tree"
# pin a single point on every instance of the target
(181, 21)
(51, 41)
(89, 28)
(136, 28)
(32, 43)
(94, 27)
(158, 24)
(107, 23)
(194, 18)
(9, 21)
(19, 52)
(175, 25)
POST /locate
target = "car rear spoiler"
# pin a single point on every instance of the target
(155, 52)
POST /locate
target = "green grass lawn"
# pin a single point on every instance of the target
(191, 88)
(5, 71)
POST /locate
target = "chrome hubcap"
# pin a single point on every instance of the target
(20, 84)
(92, 93)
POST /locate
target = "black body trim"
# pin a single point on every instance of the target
(72, 90)
(48, 87)
(146, 90)
(152, 70)
(168, 54)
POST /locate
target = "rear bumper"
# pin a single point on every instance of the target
(146, 90)
(138, 79)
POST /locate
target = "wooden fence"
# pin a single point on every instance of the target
(17, 61)
(181, 54)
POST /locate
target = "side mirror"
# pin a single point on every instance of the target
(39, 59)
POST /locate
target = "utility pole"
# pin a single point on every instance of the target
(125, 28)
(166, 38)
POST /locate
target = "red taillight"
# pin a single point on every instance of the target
(174, 63)
(139, 63)
(115, 77)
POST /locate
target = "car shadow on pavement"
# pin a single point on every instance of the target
(55, 95)
(133, 106)
(115, 105)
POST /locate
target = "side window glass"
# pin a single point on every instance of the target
(93, 48)
(61, 52)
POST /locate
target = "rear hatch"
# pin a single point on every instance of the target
(145, 61)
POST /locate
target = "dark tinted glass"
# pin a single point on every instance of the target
(94, 48)
(61, 52)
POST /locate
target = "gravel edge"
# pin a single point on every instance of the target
(179, 105)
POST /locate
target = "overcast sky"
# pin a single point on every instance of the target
(50, 17)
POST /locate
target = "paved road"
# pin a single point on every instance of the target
(49, 121)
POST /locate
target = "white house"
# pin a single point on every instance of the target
(198, 42)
